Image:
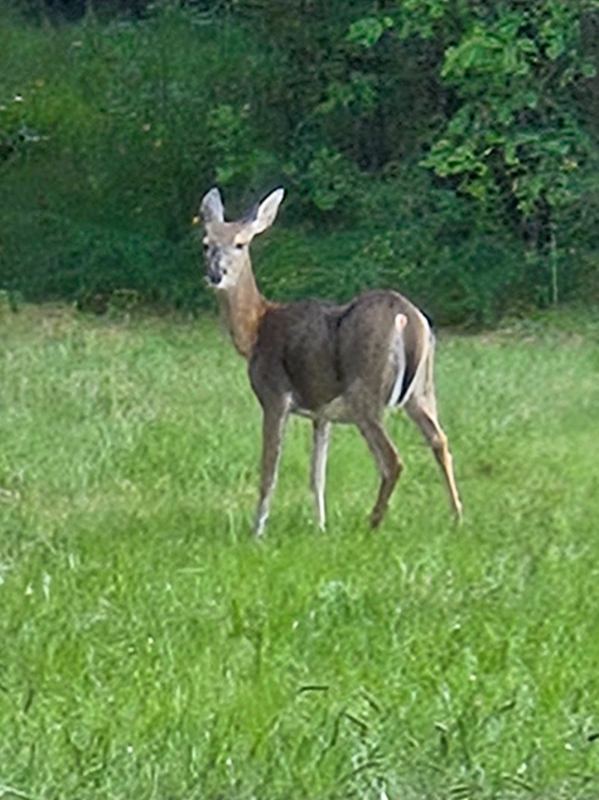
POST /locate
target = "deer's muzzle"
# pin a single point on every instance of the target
(214, 275)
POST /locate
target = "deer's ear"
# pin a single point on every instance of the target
(267, 211)
(211, 208)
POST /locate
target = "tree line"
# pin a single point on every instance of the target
(448, 147)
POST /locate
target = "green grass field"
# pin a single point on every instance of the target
(149, 649)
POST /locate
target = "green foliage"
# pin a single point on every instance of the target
(155, 650)
(111, 130)
(117, 121)
(329, 180)
(237, 158)
(368, 30)
(516, 124)
(515, 139)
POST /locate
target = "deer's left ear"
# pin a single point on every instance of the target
(211, 208)
(267, 211)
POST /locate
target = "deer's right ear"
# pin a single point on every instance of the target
(211, 208)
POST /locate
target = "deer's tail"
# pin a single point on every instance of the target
(416, 343)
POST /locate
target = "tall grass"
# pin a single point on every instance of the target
(150, 649)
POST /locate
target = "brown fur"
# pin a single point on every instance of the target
(332, 363)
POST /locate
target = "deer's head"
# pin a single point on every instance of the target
(226, 243)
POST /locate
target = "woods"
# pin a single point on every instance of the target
(447, 149)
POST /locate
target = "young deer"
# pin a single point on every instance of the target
(330, 363)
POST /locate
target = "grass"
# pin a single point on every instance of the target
(150, 649)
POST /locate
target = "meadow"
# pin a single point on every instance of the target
(150, 649)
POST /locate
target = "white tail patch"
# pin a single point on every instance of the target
(400, 353)
(418, 382)
(400, 322)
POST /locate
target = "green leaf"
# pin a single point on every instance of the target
(478, 188)
(368, 30)
(530, 98)
(556, 48)
(510, 155)
(505, 115)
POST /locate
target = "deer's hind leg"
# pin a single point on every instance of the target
(388, 463)
(421, 407)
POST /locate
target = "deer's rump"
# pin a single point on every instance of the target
(331, 357)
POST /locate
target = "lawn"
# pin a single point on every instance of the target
(149, 648)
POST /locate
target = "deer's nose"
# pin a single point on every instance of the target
(214, 275)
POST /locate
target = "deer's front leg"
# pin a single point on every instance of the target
(273, 427)
(320, 445)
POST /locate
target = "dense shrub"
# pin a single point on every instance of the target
(111, 128)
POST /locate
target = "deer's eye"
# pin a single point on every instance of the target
(239, 246)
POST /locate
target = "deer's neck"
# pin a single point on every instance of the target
(242, 308)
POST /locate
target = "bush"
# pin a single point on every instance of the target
(110, 132)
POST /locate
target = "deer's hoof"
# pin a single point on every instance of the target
(375, 519)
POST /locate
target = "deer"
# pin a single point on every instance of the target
(328, 362)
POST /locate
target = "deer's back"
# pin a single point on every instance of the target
(318, 352)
